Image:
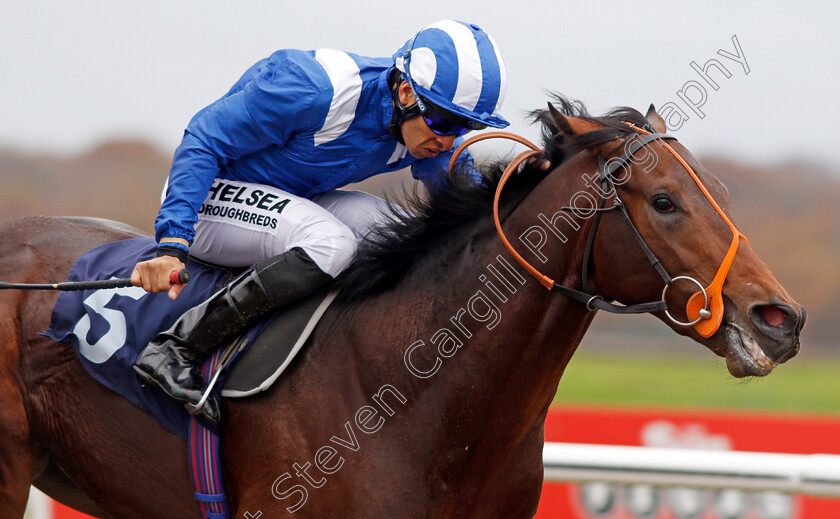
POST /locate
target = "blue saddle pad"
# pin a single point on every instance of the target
(108, 328)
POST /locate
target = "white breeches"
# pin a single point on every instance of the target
(242, 223)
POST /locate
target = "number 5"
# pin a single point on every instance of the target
(114, 339)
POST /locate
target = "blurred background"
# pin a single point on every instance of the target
(96, 94)
(95, 97)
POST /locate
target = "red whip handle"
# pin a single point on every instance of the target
(179, 277)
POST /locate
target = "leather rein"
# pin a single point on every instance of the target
(704, 308)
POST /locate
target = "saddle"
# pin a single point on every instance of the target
(108, 329)
(275, 347)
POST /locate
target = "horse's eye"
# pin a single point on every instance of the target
(663, 204)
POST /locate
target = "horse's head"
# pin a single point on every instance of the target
(683, 215)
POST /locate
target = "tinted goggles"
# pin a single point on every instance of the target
(444, 123)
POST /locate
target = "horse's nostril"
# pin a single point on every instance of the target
(772, 315)
(775, 318)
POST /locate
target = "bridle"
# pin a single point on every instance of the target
(704, 307)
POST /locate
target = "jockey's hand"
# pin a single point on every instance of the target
(153, 275)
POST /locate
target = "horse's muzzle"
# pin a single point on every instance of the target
(780, 324)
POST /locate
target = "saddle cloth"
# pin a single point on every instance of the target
(109, 328)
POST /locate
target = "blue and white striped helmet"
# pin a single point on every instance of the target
(456, 66)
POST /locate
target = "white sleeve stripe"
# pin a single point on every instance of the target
(399, 154)
(347, 88)
(470, 78)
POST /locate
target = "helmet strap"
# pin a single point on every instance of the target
(401, 112)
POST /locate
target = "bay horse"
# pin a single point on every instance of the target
(423, 392)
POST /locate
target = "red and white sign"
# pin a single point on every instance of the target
(710, 430)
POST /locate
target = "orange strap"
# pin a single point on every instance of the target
(707, 327)
(484, 136)
(544, 280)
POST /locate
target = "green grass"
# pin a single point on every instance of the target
(801, 386)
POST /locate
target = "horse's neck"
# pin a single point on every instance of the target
(516, 339)
(482, 342)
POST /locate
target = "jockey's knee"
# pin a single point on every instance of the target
(332, 248)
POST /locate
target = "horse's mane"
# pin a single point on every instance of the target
(424, 225)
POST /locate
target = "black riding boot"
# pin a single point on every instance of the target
(172, 360)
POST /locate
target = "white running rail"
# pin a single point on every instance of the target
(808, 474)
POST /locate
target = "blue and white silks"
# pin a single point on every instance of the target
(306, 122)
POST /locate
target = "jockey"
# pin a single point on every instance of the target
(253, 183)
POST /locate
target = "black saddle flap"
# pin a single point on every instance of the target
(275, 348)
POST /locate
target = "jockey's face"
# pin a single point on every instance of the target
(421, 142)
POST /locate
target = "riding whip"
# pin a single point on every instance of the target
(177, 277)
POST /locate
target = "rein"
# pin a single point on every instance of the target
(704, 307)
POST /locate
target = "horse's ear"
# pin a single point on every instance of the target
(570, 125)
(656, 120)
(559, 120)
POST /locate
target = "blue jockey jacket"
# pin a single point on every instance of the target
(306, 122)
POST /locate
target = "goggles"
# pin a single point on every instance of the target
(440, 121)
